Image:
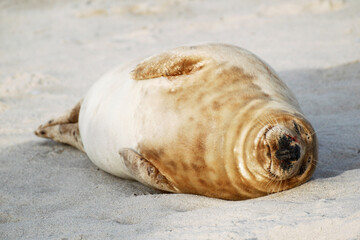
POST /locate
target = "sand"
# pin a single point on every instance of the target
(51, 52)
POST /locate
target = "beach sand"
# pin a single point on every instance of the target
(51, 52)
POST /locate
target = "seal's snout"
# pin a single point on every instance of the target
(285, 150)
(288, 149)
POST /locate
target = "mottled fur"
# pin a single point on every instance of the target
(200, 118)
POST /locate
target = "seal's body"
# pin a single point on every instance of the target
(212, 120)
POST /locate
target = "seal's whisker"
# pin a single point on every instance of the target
(269, 183)
(260, 122)
(315, 163)
(274, 120)
(269, 120)
(264, 124)
(277, 123)
(267, 187)
(273, 188)
(280, 186)
(277, 186)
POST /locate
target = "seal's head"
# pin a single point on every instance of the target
(287, 151)
(275, 152)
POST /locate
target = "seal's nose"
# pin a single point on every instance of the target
(289, 150)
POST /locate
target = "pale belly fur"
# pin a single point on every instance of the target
(107, 120)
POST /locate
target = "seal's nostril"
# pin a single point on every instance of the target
(292, 153)
(284, 142)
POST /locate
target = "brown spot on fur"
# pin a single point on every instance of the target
(221, 183)
(200, 144)
(216, 105)
(203, 182)
(196, 167)
(172, 165)
(182, 98)
(235, 75)
(200, 96)
(150, 154)
(184, 166)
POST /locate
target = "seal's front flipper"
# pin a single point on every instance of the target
(64, 129)
(176, 62)
(145, 172)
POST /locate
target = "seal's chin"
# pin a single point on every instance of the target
(285, 152)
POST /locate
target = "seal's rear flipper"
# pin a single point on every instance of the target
(145, 172)
(64, 129)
